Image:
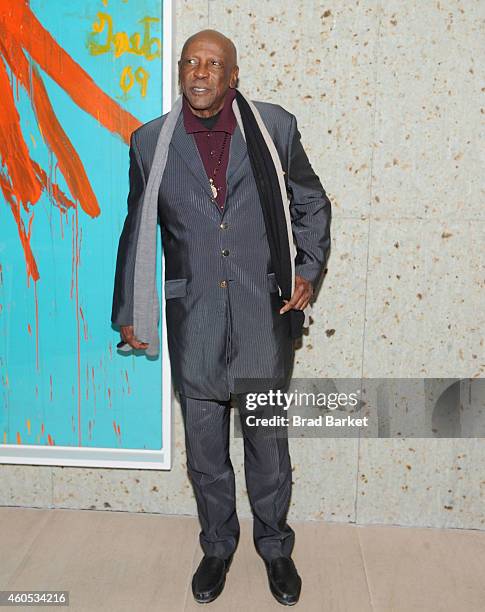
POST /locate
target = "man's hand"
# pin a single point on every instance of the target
(129, 337)
(301, 296)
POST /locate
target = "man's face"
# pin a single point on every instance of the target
(206, 71)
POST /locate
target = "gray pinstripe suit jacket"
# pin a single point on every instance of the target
(221, 336)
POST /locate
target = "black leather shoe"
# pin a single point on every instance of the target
(210, 578)
(284, 581)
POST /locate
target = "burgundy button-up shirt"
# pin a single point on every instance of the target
(209, 141)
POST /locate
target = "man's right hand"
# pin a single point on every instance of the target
(128, 336)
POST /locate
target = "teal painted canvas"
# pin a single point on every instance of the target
(76, 78)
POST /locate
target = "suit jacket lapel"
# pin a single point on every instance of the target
(186, 147)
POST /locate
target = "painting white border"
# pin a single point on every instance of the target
(141, 459)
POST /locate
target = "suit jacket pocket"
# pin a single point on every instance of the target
(175, 288)
(272, 282)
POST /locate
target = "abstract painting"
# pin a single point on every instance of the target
(76, 78)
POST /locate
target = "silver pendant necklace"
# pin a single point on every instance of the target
(213, 187)
(219, 161)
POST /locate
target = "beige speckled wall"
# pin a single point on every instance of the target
(387, 99)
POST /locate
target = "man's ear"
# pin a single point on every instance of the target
(235, 78)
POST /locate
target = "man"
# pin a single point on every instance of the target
(230, 329)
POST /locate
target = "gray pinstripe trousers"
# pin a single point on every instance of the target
(268, 478)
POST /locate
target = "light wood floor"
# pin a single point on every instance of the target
(118, 561)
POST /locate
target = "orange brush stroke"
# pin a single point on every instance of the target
(68, 159)
(23, 25)
(26, 175)
(53, 188)
(8, 194)
(14, 153)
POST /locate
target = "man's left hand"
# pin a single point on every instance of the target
(301, 296)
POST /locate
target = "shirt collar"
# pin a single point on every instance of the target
(226, 121)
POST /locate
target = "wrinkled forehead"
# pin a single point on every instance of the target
(203, 46)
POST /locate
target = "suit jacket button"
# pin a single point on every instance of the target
(223, 284)
(225, 252)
